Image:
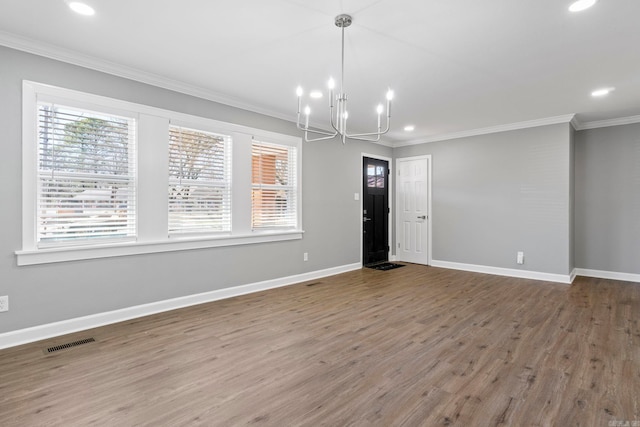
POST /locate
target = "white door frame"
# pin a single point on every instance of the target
(390, 186)
(429, 213)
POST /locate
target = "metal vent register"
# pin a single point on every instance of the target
(68, 345)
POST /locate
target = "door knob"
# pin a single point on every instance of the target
(365, 219)
(422, 217)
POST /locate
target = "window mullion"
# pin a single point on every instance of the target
(241, 191)
(153, 166)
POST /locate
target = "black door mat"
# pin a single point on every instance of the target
(384, 266)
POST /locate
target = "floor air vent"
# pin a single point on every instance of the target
(68, 345)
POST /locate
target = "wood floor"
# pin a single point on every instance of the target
(414, 346)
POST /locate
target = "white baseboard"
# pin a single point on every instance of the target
(36, 333)
(573, 275)
(600, 274)
(510, 272)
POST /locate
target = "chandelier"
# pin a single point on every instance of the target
(338, 113)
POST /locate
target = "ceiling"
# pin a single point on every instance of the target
(455, 65)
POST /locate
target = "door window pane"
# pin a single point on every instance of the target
(375, 176)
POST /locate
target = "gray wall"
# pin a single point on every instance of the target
(42, 294)
(608, 199)
(496, 194)
(493, 195)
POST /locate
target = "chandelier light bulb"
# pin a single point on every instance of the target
(307, 110)
(299, 91)
(389, 95)
(380, 109)
(331, 83)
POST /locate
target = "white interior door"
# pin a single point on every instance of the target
(413, 192)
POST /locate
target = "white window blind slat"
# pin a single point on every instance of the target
(274, 186)
(199, 181)
(86, 176)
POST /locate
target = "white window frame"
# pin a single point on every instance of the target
(225, 184)
(152, 196)
(293, 183)
(130, 177)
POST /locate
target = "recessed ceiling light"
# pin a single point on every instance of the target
(409, 128)
(315, 94)
(602, 92)
(81, 8)
(581, 5)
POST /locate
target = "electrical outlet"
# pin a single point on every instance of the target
(520, 258)
(4, 303)
(305, 256)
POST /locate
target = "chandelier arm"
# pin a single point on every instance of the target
(306, 128)
(380, 132)
(360, 138)
(360, 135)
(316, 131)
(322, 138)
(338, 116)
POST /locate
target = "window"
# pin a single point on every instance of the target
(199, 181)
(274, 189)
(375, 176)
(104, 177)
(86, 176)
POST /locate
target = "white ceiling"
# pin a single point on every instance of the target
(454, 65)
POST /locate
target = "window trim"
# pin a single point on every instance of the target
(225, 184)
(53, 173)
(270, 187)
(148, 239)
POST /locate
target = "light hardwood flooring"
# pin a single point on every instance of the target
(414, 346)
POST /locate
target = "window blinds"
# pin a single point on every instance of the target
(86, 176)
(199, 181)
(274, 186)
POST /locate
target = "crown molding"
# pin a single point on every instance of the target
(568, 118)
(87, 61)
(575, 122)
(608, 123)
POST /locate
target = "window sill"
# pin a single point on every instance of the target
(52, 255)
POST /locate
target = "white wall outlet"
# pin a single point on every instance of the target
(356, 196)
(4, 303)
(305, 256)
(520, 258)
